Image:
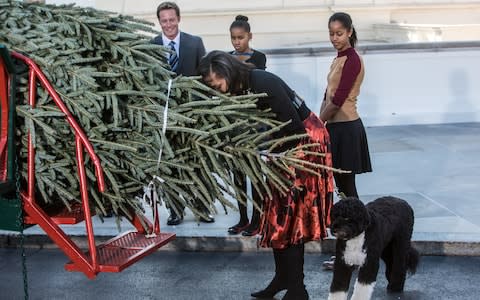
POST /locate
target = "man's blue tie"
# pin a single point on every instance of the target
(173, 60)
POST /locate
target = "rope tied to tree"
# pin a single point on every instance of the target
(151, 195)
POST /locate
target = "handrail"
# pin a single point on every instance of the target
(4, 110)
(7, 145)
(325, 49)
(36, 72)
(81, 141)
(96, 259)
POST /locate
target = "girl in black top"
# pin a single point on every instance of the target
(302, 214)
(241, 36)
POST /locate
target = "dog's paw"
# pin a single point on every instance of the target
(337, 296)
(363, 291)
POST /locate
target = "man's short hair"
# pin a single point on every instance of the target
(168, 5)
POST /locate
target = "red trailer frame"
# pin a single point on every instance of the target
(115, 254)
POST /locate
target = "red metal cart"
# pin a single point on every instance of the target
(18, 206)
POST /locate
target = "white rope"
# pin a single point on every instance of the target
(164, 126)
(150, 197)
(150, 194)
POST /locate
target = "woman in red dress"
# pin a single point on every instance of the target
(290, 219)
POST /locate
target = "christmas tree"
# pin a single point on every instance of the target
(146, 124)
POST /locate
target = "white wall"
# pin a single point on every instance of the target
(400, 87)
(291, 23)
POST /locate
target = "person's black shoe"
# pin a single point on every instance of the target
(271, 290)
(174, 219)
(109, 214)
(300, 294)
(279, 281)
(251, 230)
(208, 219)
(238, 228)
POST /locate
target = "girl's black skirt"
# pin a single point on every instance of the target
(349, 146)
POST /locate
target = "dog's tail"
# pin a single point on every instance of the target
(413, 258)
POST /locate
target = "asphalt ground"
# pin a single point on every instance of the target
(179, 275)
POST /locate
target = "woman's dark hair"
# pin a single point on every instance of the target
(346, 21)
(224, 65)
(241, 22)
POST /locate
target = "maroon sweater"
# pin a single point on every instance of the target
(344, 81)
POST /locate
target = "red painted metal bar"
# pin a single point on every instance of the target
(86, 206)
(137, 223)
(4, 79)
(32, 94)
(59, 237)
(119, 254)
(156, 219)
(88, 267)
(71, 120)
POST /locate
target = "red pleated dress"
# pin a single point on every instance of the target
(303, 214)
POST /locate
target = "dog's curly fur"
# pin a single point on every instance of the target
(365, 233)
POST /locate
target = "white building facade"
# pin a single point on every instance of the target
(421, 56)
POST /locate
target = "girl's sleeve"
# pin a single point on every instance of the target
(350, 71)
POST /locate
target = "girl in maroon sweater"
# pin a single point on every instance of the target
(339, 106)
(339, 109)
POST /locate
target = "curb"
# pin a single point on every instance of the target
(240, 244)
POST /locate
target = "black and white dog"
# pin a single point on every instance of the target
(365, 233)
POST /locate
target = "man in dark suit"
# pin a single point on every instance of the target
(187, 50)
